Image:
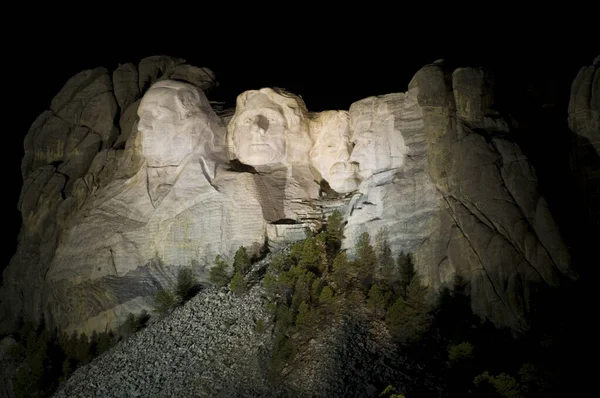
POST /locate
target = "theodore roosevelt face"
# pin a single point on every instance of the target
(331, 151)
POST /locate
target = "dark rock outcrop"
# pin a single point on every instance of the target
(584, 104)
(502, 238)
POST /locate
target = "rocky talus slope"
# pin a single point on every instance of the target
(205, 348)
(211, 347)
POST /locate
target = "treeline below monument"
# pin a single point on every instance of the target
(353, 327)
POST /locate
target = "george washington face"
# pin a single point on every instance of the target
(170, 124)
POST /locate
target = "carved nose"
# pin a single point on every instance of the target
(144, 121)
(354, 156)
(260, 124)
(144, 124)
(339, 167)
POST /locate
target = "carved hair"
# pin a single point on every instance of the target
(191, 101)
(327, 120)
(187, 97)
(293, 107)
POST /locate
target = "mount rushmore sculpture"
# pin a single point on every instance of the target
(178, 184)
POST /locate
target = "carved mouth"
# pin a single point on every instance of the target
(343, 174)
(261, 147)
(343, 168)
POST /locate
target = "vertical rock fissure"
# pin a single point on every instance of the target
(478, 258)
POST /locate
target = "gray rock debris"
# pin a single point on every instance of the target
(206, 348)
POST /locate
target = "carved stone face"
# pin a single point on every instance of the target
(268, 129)
(330, 154)
(260, 134)
(169, 128)
(377, 145)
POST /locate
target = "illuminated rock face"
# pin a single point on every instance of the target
(171, 119)
(378, 143)
(269, 128)
(330, 154)
(82, 143)
(270, 131)
(396, 198)
(181, 208)
(584, 104)
(109, 217)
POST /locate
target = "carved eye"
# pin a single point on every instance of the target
(247, 121)
(273, 120)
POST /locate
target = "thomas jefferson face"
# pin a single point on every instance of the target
(260, 132)
(169, 130)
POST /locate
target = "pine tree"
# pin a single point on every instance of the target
(241, 261)
(459, 353)
(278, 263)
(333, 235)
(285, 318)
(503, 385)
(270, 284)
(187, 284)
(94, 344)
(366, 261)
(315, 290)
(104, 343)
(365, 254)
(67, 368)
(408, 318)
(218, 273)
(310, 257)
(238, 284)
(326, 302)
(302, 289)
(71, 346)
(378, 299)
(303, 319)
(164, 300)
(385, 261)
(407, 272)
(82, 353)
(342, 273)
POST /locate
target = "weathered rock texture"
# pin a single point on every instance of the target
(498, 231)
(584, 105)
(207, 348)
(449, 186)
(112, 208)
(78, 146)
